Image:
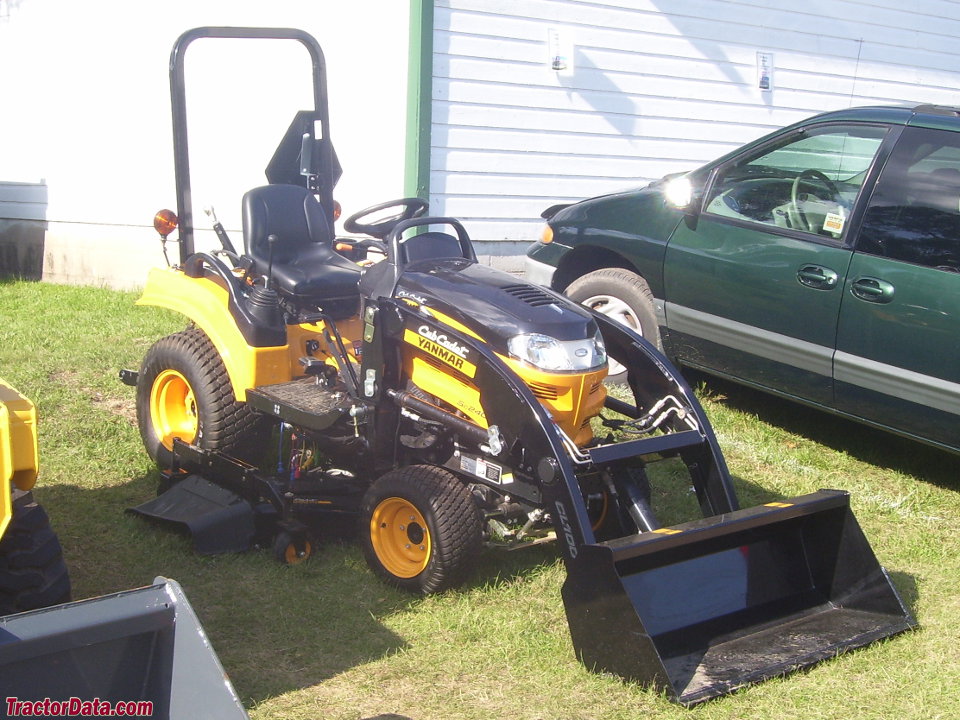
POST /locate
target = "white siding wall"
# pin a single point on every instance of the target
(657, 86)
(85, 96)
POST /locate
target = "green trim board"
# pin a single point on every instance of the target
(419, 100)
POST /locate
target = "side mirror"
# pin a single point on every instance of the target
(679, 193)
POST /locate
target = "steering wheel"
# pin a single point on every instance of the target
(409, 208)
(798, 219)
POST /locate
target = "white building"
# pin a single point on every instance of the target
(496, 109)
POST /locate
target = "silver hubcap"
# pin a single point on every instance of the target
(617, 309)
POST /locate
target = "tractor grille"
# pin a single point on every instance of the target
(542, 391)
(530, 295)
(446, 369)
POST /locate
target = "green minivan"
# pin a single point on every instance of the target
(820, 263)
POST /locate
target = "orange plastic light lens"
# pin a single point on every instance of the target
(165, 222)
(546, 235)
(337, 210)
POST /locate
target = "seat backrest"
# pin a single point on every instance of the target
(429, 246)
(290, 212)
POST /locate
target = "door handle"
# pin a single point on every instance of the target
(872, 290)
(817, 277)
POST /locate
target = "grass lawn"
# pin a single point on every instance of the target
(327, 640)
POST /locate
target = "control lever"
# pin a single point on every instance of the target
(271, 242)
(220, 231)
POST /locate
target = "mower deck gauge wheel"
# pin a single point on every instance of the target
(292, 549)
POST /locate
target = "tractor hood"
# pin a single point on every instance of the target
(492, 303)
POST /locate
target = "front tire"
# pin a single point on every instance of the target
(623, 296)
(183, 391)
(32, 571)
(420, 528)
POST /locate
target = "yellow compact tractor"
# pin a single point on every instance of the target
(440, 404)
(32, 571)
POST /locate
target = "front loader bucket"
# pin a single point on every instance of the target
(702, 608)
(142, 651)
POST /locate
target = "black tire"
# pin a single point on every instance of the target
(183, 390)
(623, 296)
(32, 571)
(420, 529)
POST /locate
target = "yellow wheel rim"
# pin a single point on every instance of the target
(292, 557)
(173, 408)
(400, 537)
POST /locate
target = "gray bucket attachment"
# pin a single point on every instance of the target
(702, 608)
(220, 521)
(143, 645)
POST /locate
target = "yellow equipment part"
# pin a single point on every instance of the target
(205, 302)
(571, 398)
(19, 458)
(432, 376)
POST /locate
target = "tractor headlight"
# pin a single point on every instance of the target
(554, 355)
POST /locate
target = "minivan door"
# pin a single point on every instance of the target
(898, 337)
(753, 283)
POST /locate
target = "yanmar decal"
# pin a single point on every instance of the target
(441, 347)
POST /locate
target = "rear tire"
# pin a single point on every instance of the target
(183, 391)
(32, 571)
(623, 296)
(421, 529)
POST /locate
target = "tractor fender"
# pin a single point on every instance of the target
(205, 302)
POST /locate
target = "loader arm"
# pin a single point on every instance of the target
(542, 464)
(698, 609)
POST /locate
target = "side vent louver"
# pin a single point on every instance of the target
(544, 392)
(530, 295)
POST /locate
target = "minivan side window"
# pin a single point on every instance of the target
(808, 182)
(914, 213)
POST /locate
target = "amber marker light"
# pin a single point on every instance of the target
(546, 235)
(165, 222)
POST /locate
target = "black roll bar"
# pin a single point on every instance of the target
(179, 112)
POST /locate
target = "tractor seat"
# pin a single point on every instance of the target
(305, 267)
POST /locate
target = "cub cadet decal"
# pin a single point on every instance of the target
(411, 298)
(441, 347)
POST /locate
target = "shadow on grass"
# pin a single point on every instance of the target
(278, 629)
(867, 444)
(275, 628)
